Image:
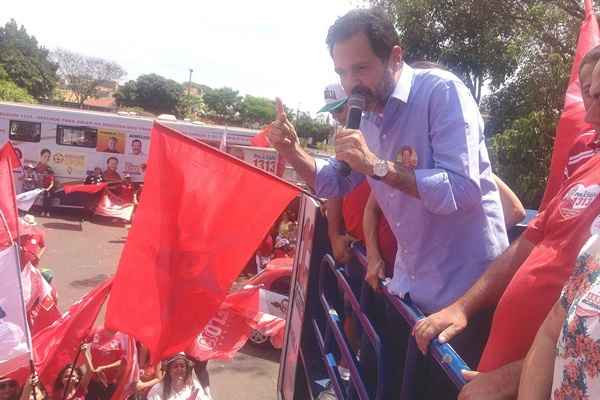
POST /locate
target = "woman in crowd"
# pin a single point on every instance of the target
(150, 375)
(179, 382)
(9, 389)
(72, 382)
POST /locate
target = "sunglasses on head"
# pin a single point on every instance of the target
(8, 384)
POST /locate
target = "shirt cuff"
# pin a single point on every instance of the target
(435, 191)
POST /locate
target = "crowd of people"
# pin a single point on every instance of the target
(421, 193)
(97, 376)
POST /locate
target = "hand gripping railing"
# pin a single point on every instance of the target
(445, 356)
(335, 333)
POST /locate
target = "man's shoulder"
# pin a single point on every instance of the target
(436, 76)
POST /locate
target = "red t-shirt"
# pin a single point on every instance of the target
(558, 233)
(353, 208)
(584, 148)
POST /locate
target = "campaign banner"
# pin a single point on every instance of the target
(109, 141)
(15, 350)
(68, 164)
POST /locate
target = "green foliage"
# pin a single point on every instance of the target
(192, 107)
(25, 62)
(257, 111)
(153, 93)
(223, 103)
(314, 130)
(9, 91)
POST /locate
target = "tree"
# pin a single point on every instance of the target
(315, 130)
(152, 92)
(83, 75)
(9, 91)
(26, 63)
(224, 103)
(257, 111)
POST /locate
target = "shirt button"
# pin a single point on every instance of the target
(412, 277)
(384, 136)
(397, 224)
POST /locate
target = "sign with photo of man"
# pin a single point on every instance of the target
(110, 142)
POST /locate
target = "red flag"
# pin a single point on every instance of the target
(83, 188)
(9, 216)
(202, 216)
(8, 152)
(130, 371)
(57, 345)
(111, 205)
(572, 120)
(260, 139)
(40, 299)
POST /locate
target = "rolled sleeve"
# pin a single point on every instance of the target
(329, 182)
(456, 136)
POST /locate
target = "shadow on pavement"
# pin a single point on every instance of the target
(266, 352)
(90, 282)
(62, 226)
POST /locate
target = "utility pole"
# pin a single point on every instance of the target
(190, 83)
(189, 95)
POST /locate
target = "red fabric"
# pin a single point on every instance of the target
(191, 251)
(8, 207)
(130, 371)
(56, 346)
(260, 139)
(8, 152)
(558, 232)
(126, 192)
(113, 206)
(107, 347)
(47, 180)
(572, 122)
(353, 209)
(111, 176)
(81, 188)
(581, 151)
(40, 299)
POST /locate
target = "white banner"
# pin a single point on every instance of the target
(26, 199)
(14, 345)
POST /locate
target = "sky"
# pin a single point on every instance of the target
(262, 47)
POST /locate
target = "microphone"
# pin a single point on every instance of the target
(356, 104)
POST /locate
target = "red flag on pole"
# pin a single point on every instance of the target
(7, 151)
(9, 216)
(572, 120)
(83, 188)
(56, 346)
(202, 216)
(39, 298)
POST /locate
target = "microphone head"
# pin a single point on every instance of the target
(358, 98)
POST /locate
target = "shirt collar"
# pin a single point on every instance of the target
(404, 84)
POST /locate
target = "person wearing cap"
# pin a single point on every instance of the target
(29, 180)
(179, 381)
(445, 211)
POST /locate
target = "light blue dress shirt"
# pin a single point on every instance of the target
(448, 237)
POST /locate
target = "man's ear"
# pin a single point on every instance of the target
(396, 57)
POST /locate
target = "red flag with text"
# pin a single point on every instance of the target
(202, 216)
(572, 120)
(57, 345)
(40, 299)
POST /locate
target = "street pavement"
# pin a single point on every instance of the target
(84, 254)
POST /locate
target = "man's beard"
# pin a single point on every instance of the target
(377, 99)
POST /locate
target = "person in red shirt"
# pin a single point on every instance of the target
(48, 181)
(526, 280)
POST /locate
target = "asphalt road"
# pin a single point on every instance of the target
(84, 254)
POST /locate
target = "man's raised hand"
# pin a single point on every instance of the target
(282, 134)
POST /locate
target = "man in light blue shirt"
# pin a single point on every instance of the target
(422, 148)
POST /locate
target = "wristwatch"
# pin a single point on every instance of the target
(380, 169)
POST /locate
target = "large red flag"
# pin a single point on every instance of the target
(572, 120)
(202, 216)
(58, 344)
(40, 299)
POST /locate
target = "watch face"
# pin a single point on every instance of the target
(381, 168)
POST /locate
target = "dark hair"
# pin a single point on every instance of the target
(112, 158)
(591, 57)
(167, 379)
(58, 384)
(45, 151)
(136, 140)
(374, 23)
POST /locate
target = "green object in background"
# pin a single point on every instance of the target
(47, 274)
